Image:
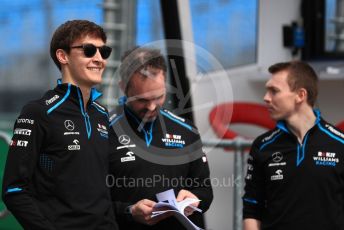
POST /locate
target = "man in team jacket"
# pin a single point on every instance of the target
(55, 176)
(153, 149)
(295, 176)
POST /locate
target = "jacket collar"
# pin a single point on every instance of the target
(283, 126)
(95, 94)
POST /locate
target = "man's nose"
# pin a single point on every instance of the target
(151, 106)
(266, 98)
(97, 56)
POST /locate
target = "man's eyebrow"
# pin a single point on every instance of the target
(150, 98)
(141, 96)
(270, 87)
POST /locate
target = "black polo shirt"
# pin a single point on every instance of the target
(292, 185)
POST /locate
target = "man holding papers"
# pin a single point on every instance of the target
(154, 150)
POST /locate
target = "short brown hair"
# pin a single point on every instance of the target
(300, 75)
(71, 31)
(139, 58)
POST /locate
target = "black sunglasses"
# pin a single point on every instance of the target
(90, 50)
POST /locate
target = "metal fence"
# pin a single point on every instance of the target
(239, 146)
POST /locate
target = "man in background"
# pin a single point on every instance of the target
(295, 177)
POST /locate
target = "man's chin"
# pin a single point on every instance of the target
(275, 117)
(149, 119)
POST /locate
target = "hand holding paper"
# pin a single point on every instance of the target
(142, 211)
(167, 200)
(183, 195)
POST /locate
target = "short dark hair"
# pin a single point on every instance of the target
(71, 31)
(300, 75)
(139, 58)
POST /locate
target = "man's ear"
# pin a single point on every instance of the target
(62, 56)
(301, 95)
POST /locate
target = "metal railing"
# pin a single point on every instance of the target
(238, 145)
(4, 137)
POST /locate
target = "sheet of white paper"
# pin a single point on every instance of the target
(181, 217)
(167, 196)
(187, 202)
(167, 202)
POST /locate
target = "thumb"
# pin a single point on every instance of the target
(182, 195)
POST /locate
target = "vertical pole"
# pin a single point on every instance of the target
(238, 188)
(119, 25)
(48, 20)
(339, 26)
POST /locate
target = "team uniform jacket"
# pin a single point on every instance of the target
(55, 176)
(138, 173)
(297, 186)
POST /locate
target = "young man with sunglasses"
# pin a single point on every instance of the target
(58, 158)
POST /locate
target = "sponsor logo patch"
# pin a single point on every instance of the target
(125, 146)
(71, 133)
(204, 159)
(102, 130)
(325, 159)
(173, 140)
(175, 116)
(51, 100)
(74, 147)
(25, 121)
(129, 157)
(271, 136)
(250, 167)
(248, 176)
(124, 139)
(69, 125)
(278, 175)
(24, 132)
(277, 157)
(18, 143)
(334, 131)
